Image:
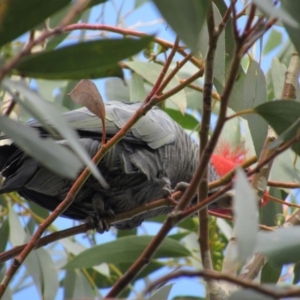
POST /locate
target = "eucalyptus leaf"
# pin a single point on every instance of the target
(274, 40)
(93, 59)
(293, 8)
(4, 233)
(245, 210)
(249, 295)
(162, 293)
(49, 275)
(19, 16)
(46, 113)
(136, 88)
(192, 16)
(255, 93)
(124, 250)
(283, 116)
(281, 246)
(150, 72)
(276, 12)
(53, 156)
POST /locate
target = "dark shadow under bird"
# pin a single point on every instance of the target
(155, 153)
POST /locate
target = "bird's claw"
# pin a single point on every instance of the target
(181, 186)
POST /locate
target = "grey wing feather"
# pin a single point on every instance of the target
(155, 128)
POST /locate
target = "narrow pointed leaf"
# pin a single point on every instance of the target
(283, 116)
(255, 93)
(269, 9)
(95, 59)
(47, 114)
(125, 250)
(281, 246)
(192, 15)
(150, 72)
(19, 16)
(292, 7)
(245, 210)
(53, 156)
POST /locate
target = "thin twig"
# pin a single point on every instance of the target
(123, 216)
(231, 218)
(203, 217)
(247, 284)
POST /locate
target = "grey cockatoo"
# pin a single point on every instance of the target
(155, 153)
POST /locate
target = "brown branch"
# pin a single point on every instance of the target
(231, 218)
(282, 202)
(224, 20)
(173, 73)
(250, 19)
(286, 185)
(85, 227)
(128, 32)
(208, 274)
(203, 217)
(156, 87)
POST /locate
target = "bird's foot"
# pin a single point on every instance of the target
(103, 211)
(99, 225)
(181, 186)
(167, 190)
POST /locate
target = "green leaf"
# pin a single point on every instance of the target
(76, 286)
(272, 208)
(53, 156)
(38, 210)
(127, 232)
(125, 250)
(192, 16)
(150, 72)
(293, 8)
(270, 273)
(274, 40)
(95, 59)
(137, 89)
(178, 236)
(116, 90)
(19, 16)
(17, 234)
(245, 210)
(278, 71)
(139, 3)
(49, 274)
(162, 293)
(4, 233)
(269, 9)
(280, 246)
(46, 113)
(296, 273)
(255, 93)
(58, 17)
(186, 121)
(282, 115)
(248, 295)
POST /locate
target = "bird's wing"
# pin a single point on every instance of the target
(155, 128)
